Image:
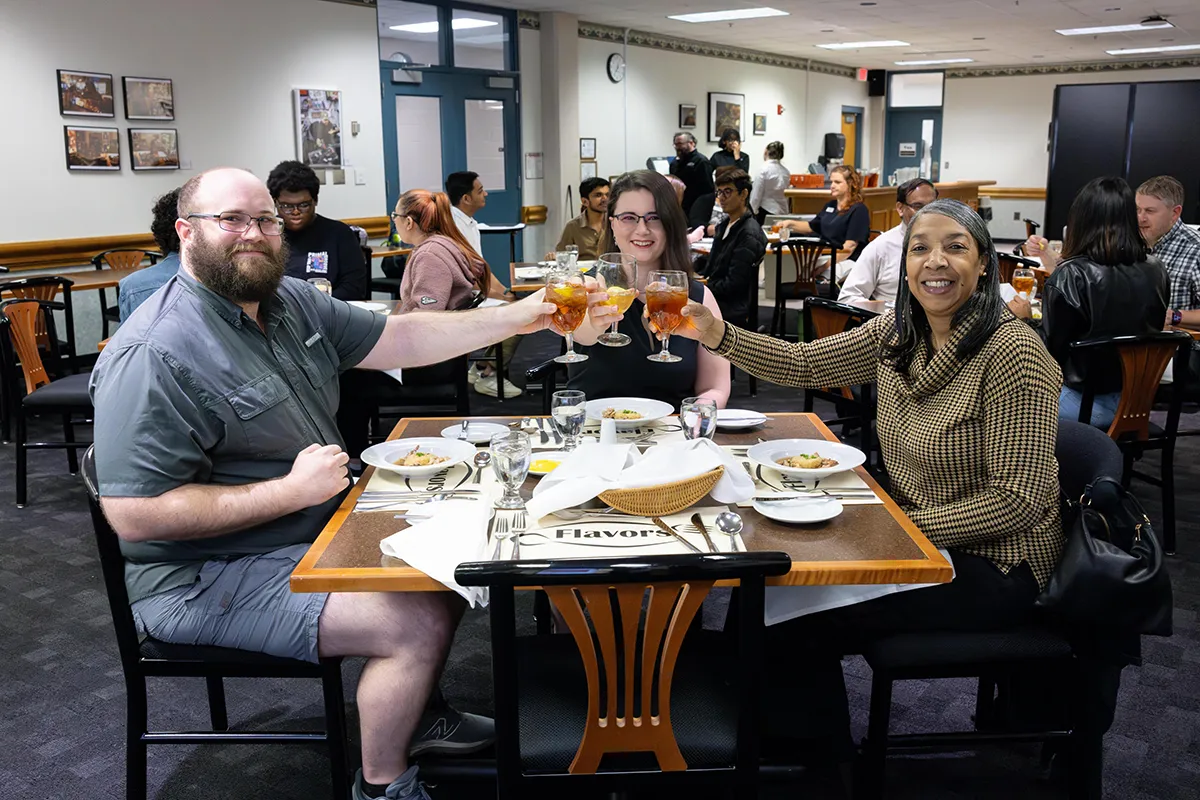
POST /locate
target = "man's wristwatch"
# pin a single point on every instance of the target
(1176, 317)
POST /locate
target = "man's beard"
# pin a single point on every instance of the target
(253, 280)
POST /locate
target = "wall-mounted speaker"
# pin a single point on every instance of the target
(876, 82)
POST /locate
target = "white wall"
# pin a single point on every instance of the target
(537, 239)
(234, 64)
(658, 81)
(996, 128)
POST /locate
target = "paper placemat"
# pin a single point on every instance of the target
(772, 483)
(596, 537)
(662, 431)
(458, 478)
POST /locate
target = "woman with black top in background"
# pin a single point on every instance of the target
(844, 220)
(730, 154)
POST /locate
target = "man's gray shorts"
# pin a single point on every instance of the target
(244, 603)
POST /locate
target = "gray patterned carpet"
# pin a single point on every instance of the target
(63, 700)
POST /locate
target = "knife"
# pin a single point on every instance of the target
(674, 533)
(542, 428)
(704, 532)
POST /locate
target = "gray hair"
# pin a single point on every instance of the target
(686, 135)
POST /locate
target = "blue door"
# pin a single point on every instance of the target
(450, 121)
(903, 139)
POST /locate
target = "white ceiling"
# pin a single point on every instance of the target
(992, 32)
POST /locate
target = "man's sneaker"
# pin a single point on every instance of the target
(473, 374)
(452, 733)
(406, 787)
(488, 386)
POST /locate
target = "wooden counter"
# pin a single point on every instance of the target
(881, 200)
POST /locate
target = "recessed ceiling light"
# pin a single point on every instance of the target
(1132, 51)
(867, 4)
(733, 13)
(858, 45)
(978, 38)
(933, 61)
(1148, 25)
(459, 24)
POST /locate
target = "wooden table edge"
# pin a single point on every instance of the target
(306, 577)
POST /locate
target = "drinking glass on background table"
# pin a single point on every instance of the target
(510, 459)
(785, 233)
(698, 417)
(568, 414)
(1024, 281)
(1055, 246)
(666, 295)
(567, 259)
(617, 274)
(322, 285)
(564, 288)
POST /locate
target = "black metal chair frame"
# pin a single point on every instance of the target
(503, 578)
(991, 670)
(779, 315)
(426, 407)
(143, 659)
(11, 372)
(113, 313)
(1133, 449)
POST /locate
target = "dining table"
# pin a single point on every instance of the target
(870, 543)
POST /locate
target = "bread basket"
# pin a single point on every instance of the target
(665, 498)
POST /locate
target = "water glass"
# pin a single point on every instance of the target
(698, 416)
(567, 260)
(785, 233)
(568, 414)
(510, 459)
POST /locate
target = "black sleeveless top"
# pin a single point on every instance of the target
(625, 371)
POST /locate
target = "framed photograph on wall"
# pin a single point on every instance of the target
(588, 169)
(587, 149)
(85, 94)
(760, 124)
(726, 111)
(687, 116)
(92, 149)
(149, 98)
(153, 148)
(318, 114)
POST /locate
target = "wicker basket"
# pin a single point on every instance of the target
(666, 498)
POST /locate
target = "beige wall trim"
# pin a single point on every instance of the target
(1063, 69)
(1014, 193)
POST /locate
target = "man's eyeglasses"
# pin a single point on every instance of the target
(630, 220)
(292, 208)
(723, 193)
(240, 223)
(916, 206)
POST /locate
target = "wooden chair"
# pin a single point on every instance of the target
(1009, 263)
(121, 258)
(807, 257)
(65, 396)
(873, 235)
(143, 658)
(45, 288)
(626, 689)
(828, 318)
(1144, 358)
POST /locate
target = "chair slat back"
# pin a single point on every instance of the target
(1142, 367)
(629, 681)
(45, 292)
(830, 321)
(807, 256)
(23, 320)
(122, 259)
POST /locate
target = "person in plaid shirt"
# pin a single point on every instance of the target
(1159, 203)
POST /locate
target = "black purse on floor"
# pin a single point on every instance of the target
(1111, 579)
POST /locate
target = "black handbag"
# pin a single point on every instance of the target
(1111, 579)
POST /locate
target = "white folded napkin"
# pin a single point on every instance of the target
(601, 467)
(455, 533)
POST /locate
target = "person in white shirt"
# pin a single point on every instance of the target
(773, 179)
(875, 275)
(467, 197)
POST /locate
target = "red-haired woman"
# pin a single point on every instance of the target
(844, 220)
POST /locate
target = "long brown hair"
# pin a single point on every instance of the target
(855, 184)
(431, 213)
(676, 250)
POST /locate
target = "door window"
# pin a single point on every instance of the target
(485, 142)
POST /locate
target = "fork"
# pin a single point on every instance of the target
(500, 532)
(519, 524)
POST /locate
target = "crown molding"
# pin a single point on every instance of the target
(607, 33)
(1067, 69)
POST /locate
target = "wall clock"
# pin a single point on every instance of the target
(616, 68)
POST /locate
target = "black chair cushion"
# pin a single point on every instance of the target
(940, 649)
(157, 650)
(552, 697)
(68, 391)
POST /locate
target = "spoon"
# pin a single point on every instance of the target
(463, 429)
(730, 523)
(481, 460)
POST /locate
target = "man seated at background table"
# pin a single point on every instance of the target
(875, 275)
(467, 198)
(131, 291)
(584, 231)
(219, 461)
(318, 247)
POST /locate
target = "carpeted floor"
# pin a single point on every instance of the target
(63, 699)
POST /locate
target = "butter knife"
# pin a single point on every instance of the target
(664, 526)
(542, 428)
(704, 532)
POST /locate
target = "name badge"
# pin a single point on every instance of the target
(316, 337)
(318, 263)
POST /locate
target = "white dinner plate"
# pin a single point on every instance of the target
(801, 510)
(368, 305)
(766, 453)
(384, 454)
(477, 432)
(650, 410)
(732, 419)
(548, 455)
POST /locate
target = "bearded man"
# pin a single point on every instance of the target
(219, 461)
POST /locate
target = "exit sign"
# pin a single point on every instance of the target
(861, 74)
